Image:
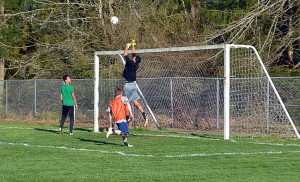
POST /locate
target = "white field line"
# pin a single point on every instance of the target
(162, 156)
(150, 135)
(150, 156)
(171, 136)
(12, 127)
(71, 149)
(278, 144)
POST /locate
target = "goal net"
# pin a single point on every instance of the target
(213, 88)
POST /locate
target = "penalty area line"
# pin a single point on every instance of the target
(149, 155)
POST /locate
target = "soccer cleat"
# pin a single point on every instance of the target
(109, 132)
(146, 122)
(129, 145)
(61, 131)
(71, 133)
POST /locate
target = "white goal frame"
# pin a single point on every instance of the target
(225, 47)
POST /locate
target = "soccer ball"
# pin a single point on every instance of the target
(114, 20)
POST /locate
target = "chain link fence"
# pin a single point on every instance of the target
(200, 105)
(40, 99)
(289, 90)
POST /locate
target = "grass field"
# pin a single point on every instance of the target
(35, 152)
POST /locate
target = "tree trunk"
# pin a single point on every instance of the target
(290, 46)
(101, 12)
(2, 73)
(195, 12)
(111, 11)
(1, 7)
(1, 59)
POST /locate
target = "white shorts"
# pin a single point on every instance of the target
(130, 91)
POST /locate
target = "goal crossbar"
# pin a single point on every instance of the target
(170, 49)
(118, 52)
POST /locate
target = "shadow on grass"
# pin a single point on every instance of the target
(210, 136)
(83, 129)
(52, 131)
(90, 130)
(46, 130)
(98, 142)
(56, 131)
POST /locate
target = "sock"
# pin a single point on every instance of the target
(113, 130)
(126, 144)
(144, 115)
(127, 119)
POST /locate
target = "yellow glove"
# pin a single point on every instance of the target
(133, 42)
(128, 45)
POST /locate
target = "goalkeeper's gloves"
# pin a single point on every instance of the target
(128, 45)
(133, 42)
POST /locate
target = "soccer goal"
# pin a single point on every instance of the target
(211, 88)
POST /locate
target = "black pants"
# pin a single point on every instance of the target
(65, 111)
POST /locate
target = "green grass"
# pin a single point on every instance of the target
(35, 152)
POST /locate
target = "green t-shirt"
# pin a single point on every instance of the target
(66, 91)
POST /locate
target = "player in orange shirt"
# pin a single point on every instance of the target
(117, 111)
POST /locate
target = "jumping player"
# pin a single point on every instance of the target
(129, 73)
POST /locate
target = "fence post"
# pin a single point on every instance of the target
(34, 97)
(268, 105)
(218, 104)
(6, 96)
(172, 108)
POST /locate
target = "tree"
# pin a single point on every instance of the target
(2, 72)
(46, 39)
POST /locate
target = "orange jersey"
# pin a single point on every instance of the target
(118, 108)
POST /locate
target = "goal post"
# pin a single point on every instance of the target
(96, 92)
(272, 86)
(207, 88)
(226, 91)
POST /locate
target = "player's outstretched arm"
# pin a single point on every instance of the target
(126, 49)
(133, 44)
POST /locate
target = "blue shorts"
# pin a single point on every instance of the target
(123, 126)
(130, 91)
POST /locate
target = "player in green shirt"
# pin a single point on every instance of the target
(69, 103)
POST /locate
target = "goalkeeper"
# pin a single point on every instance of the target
(118, 108)
(129, 73)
